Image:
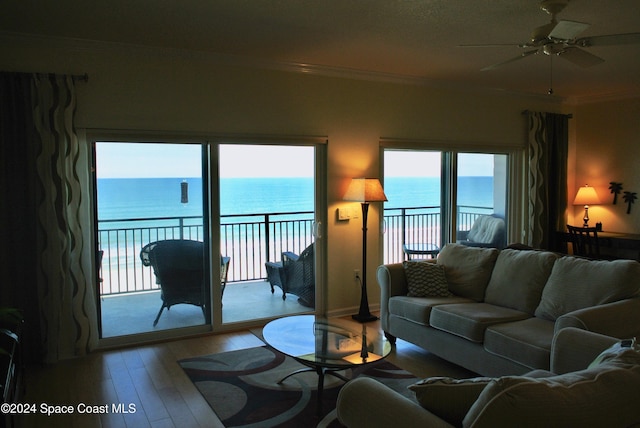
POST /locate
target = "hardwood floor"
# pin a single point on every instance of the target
(147, 382)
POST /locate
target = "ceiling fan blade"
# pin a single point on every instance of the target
(567, 30)
(609, 40)
(500, 64)
(580, 57)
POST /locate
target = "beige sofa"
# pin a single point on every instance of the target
(604, 393)
(499, 312)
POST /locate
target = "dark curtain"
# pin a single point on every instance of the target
(46, 229)
(19, 204)
(548, 136)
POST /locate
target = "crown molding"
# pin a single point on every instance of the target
(601, 98)
(137, 50)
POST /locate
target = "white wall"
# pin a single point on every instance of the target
(134, 88)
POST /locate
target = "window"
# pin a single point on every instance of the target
(434, 196)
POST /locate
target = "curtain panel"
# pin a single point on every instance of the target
(51, 279)
(548, 136)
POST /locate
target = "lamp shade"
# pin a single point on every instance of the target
(586, 196)
(365, 190)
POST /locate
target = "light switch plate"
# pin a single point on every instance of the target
(344, 213)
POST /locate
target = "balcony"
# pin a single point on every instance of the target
(249, 241)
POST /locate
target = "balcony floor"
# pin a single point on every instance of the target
(134, 313)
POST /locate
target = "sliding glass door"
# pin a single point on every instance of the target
(152, 242)
(196, 236)
(481, 189)
(413, 212)
(268, 226)
(434, 197)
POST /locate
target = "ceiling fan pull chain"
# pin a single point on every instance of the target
(550, 92)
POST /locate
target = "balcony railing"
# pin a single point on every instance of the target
(421, 225)
(249, 240)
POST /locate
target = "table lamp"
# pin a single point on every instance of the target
(586, 196)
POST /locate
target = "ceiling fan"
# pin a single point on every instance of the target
(559, 38)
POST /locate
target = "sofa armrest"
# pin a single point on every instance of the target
(392, 282)
(364, 402)
(574, 349)
(618, 319)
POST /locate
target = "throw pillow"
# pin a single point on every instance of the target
(518, 278)
(577, 283)
(450, 399)
(426, 279)
(468, 269)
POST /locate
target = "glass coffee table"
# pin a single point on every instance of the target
(325, 345)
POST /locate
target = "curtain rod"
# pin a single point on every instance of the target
(80, 77)
(76, 77)
(569, 116)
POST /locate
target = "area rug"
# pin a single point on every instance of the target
(242, 388)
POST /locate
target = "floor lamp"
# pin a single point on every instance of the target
(364, 190)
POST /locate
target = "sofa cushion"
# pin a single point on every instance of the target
(577, 283)
(527, 342)
(470, 320)
(448, 398)
(518, 278)
(467, 269)
(418, 309)
(425, 279)
(605, 396)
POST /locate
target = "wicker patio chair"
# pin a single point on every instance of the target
(295, 274)
(179, 269)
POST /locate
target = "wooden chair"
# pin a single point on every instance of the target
(584, 241)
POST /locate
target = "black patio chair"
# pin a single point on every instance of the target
(179, 269)
(295, 274)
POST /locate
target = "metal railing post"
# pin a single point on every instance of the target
(267, 238)
(403, 225)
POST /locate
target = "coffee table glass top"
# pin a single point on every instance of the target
(326, 342)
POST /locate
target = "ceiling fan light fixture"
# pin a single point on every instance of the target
(553, 49)
(553, 7)
(541, 33)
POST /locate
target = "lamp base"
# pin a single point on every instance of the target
(364, 318)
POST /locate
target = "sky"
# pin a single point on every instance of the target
(147, 160)
(405, 163)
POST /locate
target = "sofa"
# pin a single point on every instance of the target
(500, 312)
(605, 391)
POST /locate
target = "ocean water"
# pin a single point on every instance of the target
(134, 198)
(129, 200)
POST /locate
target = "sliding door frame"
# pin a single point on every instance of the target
(211, 205)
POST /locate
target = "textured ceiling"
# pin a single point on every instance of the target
(407, 38)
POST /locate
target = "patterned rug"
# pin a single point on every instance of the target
(242, 388)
